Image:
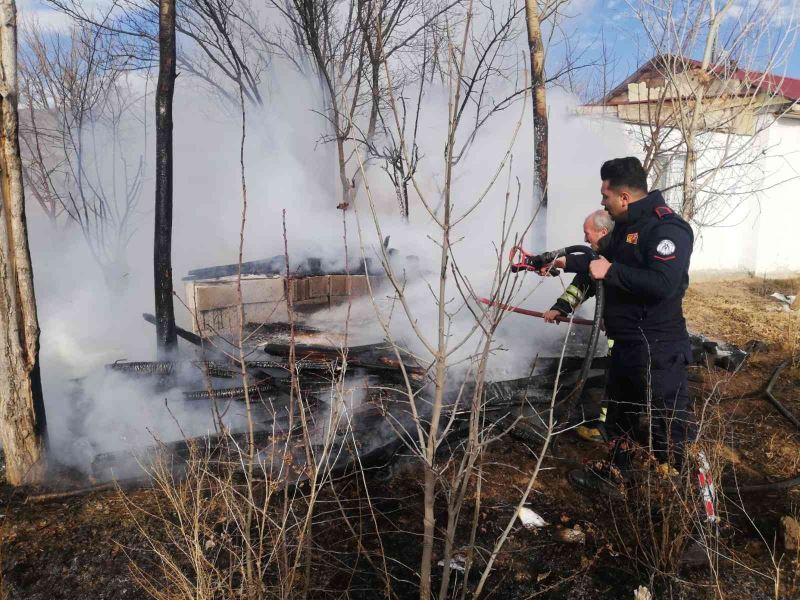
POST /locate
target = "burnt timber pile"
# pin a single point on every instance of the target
(375, 417)
(377, 424)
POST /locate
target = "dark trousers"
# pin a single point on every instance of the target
(650, 379)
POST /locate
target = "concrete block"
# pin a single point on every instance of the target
(218, 321)
(319, 287)
(266, 312)
(339, 285)
(262, 289)
(225, 321)
(358, 285)
(215, 303)
(299, 289)
(215, 295)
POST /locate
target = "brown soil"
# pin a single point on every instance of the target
(741, 310)
(82, 547)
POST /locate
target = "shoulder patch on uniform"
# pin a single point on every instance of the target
(632, 238)
(666, 248)
(662, 211)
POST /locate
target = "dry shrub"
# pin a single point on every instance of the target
(662, 519)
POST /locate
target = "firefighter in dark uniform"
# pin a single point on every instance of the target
(645, 271)
(597, 228)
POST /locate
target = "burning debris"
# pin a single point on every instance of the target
(354, 397)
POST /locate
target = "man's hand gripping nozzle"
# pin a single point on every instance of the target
(524, 261)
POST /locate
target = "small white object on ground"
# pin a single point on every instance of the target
(785, 299)
(530, 519)
(642, 593)
(458, 562)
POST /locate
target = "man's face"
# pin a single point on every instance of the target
(614, 201)
(592, 235)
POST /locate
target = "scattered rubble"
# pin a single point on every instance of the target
(708, 352)
(458, 562)
(570, 535)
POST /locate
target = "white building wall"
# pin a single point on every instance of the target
(780, 203)
(752, 218)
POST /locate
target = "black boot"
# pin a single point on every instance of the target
(602, 479)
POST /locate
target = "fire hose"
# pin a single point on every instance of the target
(522, 260)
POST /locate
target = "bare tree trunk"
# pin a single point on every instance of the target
(536, 47)
(689, 176)
(347, 187)
(162, 248)
(22, 419)
(690, 160)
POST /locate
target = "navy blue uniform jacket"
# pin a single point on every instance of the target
(649, 274)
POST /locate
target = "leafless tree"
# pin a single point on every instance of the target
(79, 109)
(22, 419)
(536, 46)
(166, 335)
(341, 40)
(219, 40)
(699, 120)
(482, 57)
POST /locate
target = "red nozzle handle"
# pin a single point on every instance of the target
(522, 264)
(519, 264)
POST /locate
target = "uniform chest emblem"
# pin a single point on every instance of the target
(666, 248)
(632, 238)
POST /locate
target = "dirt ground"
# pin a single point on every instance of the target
(82, 547)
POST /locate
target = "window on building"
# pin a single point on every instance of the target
(667, 176)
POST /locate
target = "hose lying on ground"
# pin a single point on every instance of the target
(568, 403)
(787, 414)
(571, 400)
(768, 486)
(783, 484)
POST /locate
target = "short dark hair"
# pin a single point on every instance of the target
(624, 172)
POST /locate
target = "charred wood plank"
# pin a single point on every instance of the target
(377, 358)
(232, 393)
(219, 369)
(276, 266)
(371, 433)
(165, 367)
(318, 351)
(159, 367)
(304, 364)
(190, 337)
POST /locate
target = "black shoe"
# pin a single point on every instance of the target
(603, 482)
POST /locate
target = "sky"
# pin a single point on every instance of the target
(588, 23)
(614, 20)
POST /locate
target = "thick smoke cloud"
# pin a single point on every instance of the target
(86, 323)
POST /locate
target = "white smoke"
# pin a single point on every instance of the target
(86, 324)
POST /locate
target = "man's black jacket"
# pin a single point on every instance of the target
(649, 274)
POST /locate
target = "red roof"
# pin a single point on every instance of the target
(784, 86)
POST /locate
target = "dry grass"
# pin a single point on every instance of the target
(740, 310)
